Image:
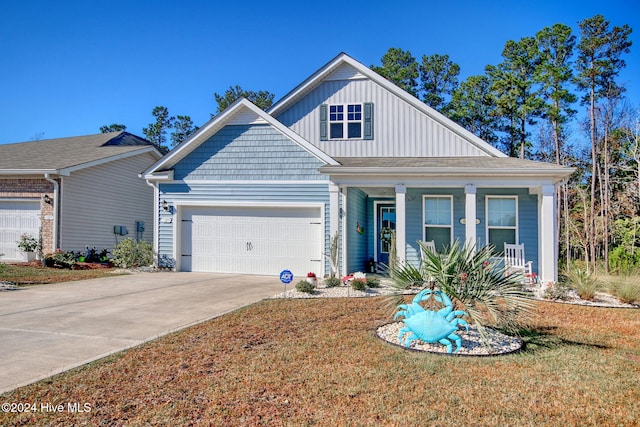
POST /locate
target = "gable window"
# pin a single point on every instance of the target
(346, 121)
(502, 220)
(438, 220)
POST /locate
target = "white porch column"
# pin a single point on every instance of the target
(470, 214)
(401, 225)
(547, 257)
(334, 217)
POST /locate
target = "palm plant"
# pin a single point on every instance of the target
(475, 280)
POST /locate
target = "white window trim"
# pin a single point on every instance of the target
(486, 216)
(424, 215)
(345, 122)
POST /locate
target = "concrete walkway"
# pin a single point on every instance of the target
(48, 329)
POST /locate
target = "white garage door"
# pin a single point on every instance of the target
(17, 217)
(252, 240)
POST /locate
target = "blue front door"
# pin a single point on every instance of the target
(386, 222)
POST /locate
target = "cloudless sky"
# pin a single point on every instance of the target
(68, 67)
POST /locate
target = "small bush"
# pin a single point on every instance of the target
(304, 286)
(332, 282)
(584, 283)
(128, 253)
(372, 282)
(359, 284)
(557, 291)
(60, 259)
(627, 291)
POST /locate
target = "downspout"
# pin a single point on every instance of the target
(156, 220)
(56, 193)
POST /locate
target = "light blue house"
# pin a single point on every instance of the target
(346, 152)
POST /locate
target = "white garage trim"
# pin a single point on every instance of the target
(270, 209)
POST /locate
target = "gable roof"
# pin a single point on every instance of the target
(241, 111)
(363, 71)
(64, 155)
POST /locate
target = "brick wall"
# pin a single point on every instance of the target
(16, 188)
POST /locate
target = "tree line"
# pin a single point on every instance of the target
(158, 132)
(526, 106)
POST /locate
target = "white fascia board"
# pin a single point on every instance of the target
(218, 122)
(7, 172)
(439, 182)
(147, 149)
(494, 177)
(319, 75)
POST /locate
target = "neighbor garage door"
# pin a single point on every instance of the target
(251, 240)
(17, 217)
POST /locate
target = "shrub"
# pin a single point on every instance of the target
(621, 259)
(304, 286)
(372, 282)
(28, 243)
(128, 253)
(60, 259)
(557, 291)
(584, 283)
(332, 282)
(627, 290)
(474, 280)
(359, 284)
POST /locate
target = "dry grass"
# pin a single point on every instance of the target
(34, 274)
(317, 362)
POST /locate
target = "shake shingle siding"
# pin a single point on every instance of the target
(245, 165)
(249, 152)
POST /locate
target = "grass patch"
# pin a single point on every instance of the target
(37, 275)
(317, 362)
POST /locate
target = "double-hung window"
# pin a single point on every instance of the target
(346, 121)
(438, 220)
(502, 220)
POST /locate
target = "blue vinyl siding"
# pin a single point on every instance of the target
(527, 219)
(362, 209)
(248, 152)
(415, 217)
(357, 244)
(243, 153)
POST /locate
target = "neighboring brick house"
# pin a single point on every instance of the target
(74, 191)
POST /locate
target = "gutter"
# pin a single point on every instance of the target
(156, 218)
(56, 194)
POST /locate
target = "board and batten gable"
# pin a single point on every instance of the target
(399, 128)
(241, 165)
(96, 199)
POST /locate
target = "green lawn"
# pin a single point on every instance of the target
(318, 362)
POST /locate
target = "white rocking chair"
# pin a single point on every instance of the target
(427, 246)
(515, 263)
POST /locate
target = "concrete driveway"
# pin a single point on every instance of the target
(48, 329)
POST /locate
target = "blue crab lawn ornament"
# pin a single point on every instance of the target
(428, 325)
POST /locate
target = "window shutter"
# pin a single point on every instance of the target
(323, 122)
(368, 120)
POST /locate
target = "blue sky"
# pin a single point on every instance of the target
(69, 67)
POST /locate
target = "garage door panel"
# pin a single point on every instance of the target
(252, 240)
(17, 217)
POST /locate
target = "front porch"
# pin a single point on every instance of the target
(471, 214)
